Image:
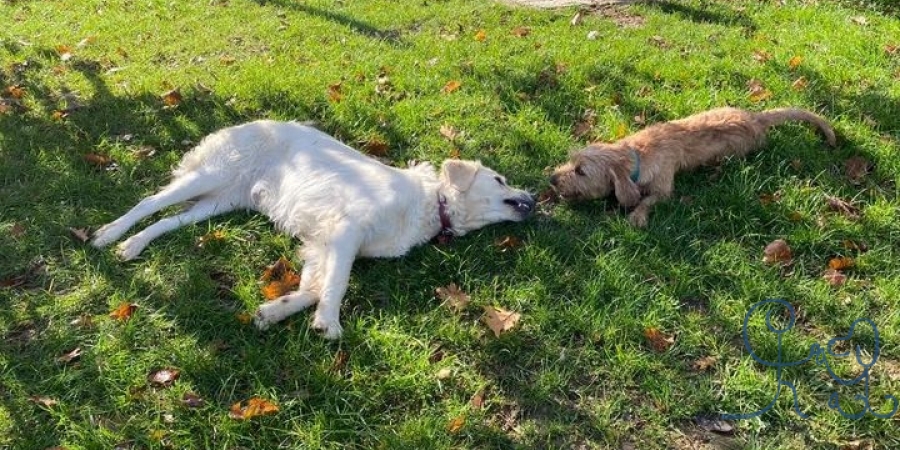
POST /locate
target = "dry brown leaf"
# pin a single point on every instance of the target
(766, 199)
(842, 206)
(855, 245)
(759, 96)
(477, 400)
(840, 263)
(64, 52)
(521, 31)
(451, 86)
(480, 36)
(777, 251)
(547, 197)
(334, 92)
(454, 153)
(583, 127)
(799, 84)
(163, 377)
(69, 356)
(17, 230)
(280, 278)
(795, 216)
(340, 361)
(452, 296)
(658, 340)
(860, 20)
(891, 49)
(227, 60)
(192, 400)
(834, 277)
(795, 62)
(761, 56)
(172, 98)
(15, 91)
(95, 159)
(43, 400)
(81, 234)
(255, 407)
(124, 311)
(705, 363)
(143, 152)
(376, 147)
(500, 320)
(449, 132)
(456, 424)
(856, 169)
(508, 243)
(243, 318)
(576, 19)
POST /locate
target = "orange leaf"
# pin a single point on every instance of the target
(777, 251)
(124, 311)
(281, 279)
(521, 31)
(255, 407)
(453, 297)
(761, 56)
(334, 92)
(500, 320)
(98, 160)
(508, 243)
(376, 147)
(799, 84)
(480, 36)
(456, 424)
(840, 263)
(451, 86)
(759, 96)
(477, 400)
(64, 51)
(172, 98)
(794, 62)
(15, 91)
(243, 318)
(658, 340)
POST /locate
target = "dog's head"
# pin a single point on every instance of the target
(482, 197)
(595, 172)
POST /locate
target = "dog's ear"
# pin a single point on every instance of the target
(459, 173)
(627, 192)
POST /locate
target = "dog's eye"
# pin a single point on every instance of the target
(500, 181)
(579, 170)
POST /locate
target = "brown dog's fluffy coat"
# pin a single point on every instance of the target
(652, 156)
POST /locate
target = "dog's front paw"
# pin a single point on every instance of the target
(106, 235)
(330, 328)
(267, 315)
(130, 249)
(638, 219)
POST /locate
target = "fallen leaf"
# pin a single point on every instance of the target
(891, 49)
(799, 84)
(508, 243)
(192, 400)
(660, 42)
(81, 234)
(500, 320)
(840, 263)
(452, 296)
(777, 251)
(172, 98)
(759, 96)
(703, 364)
(860, 20)
(83, 321)
(477, 400)
(243, 318)
(163, 377)
(449, 132)
(855, 245)
(547, 197)
(795, 62)
(521, 31)
(340, 361)
(480, 36)
(334, 92)
(640, 119)
(795, 216)
(576, 19)
(766, 199)
(227, 60)
(69, 356)
(43, 400)
(212, 236)
(64, 52)
(658, 340)
(281, 279)
(761, 56)
(856, 168)
(143, 152)
(456, 424)
(255, 407)
(95, 159)
(848, 209)
(834, 277)
(454, 153)
(437, 354)
(451, 86)
(88, 40)
(15, 91)
(376, 147)
(444, 373)
(124, 311)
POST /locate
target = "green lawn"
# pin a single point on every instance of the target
(578, 371)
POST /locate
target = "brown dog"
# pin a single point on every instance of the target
(641, 168)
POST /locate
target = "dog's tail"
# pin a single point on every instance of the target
(774, 117)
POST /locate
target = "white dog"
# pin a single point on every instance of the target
(341, 203)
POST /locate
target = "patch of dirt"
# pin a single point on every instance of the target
(621, 17)
(563, 3)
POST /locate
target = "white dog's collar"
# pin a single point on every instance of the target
(446, 233)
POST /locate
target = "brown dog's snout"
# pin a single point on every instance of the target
(554, 179)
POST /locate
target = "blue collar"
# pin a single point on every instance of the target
(636, 160)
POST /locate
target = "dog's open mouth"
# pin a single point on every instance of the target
(522, 205)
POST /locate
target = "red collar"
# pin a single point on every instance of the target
(446, 233)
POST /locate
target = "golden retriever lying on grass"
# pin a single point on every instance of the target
(641, 168)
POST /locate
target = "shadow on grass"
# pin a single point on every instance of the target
(357, 26)
(715, 13)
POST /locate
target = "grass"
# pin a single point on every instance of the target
(578, 371)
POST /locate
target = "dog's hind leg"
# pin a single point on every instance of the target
(202, 209)
(183, 188)
(287, 305)
(342, 249)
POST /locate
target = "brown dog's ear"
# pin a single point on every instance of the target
(460, 174)
(627, 192)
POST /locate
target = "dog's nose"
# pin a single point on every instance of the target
(522, 205)
(554, 179)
